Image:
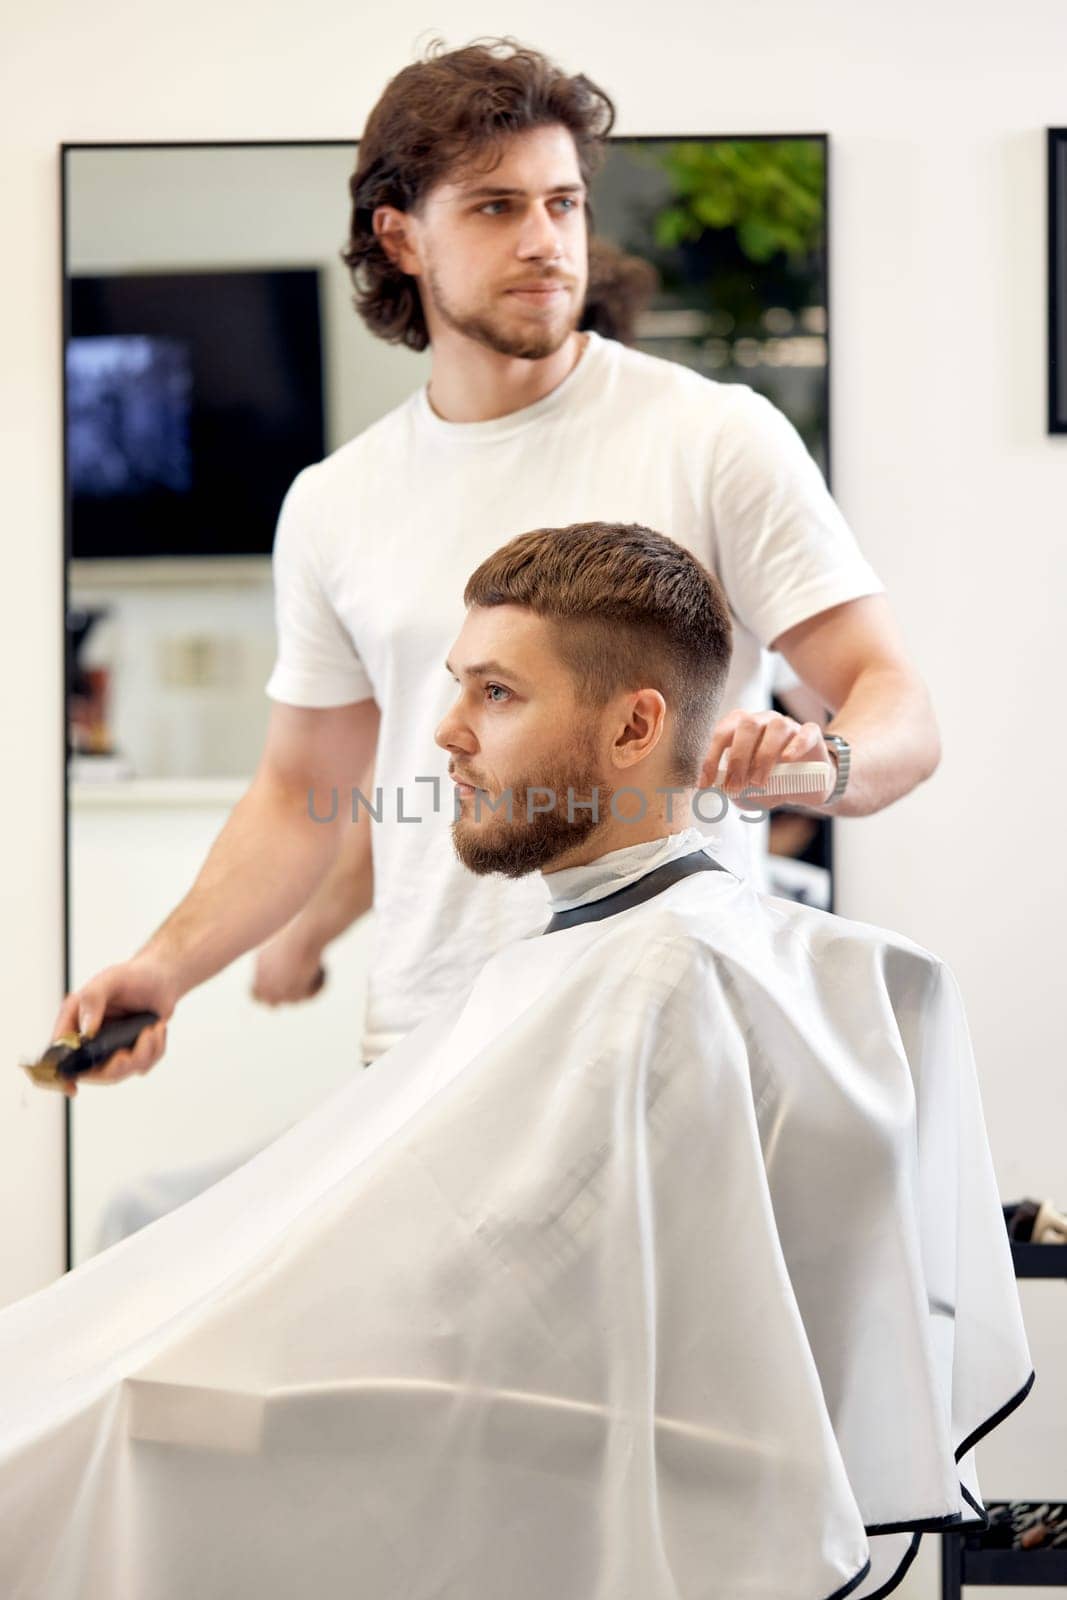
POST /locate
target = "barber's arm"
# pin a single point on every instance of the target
(853, 658)
(290, 966)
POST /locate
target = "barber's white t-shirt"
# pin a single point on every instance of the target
(375, 544)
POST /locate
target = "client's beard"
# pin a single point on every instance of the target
(519, 847)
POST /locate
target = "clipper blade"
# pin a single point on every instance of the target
(49, 1069)
(72, 1054)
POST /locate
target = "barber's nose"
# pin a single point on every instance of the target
(539, 236)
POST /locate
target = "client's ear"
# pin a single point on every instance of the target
(645, 722)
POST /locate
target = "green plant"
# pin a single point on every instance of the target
(770, 192)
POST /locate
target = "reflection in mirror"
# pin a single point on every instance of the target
(211, 351)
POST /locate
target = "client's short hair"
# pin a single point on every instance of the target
(631, 609)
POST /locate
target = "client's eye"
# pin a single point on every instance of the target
(491, 686)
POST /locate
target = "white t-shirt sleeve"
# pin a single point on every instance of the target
(317, 663)
(784, 551)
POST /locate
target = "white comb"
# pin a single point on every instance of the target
(787, 777)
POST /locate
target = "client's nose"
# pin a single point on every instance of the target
(452, 734)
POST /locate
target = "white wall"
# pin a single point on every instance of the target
(198, 1113)
(941, 460)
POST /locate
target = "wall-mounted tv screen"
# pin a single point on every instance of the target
(193, 400)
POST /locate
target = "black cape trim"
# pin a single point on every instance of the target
(636, 893)
(950, 1524)
(896, 1578)
(997, 1418)
(982, 1515)
(839, 1594)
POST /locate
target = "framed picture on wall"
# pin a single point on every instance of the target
(1057, 280)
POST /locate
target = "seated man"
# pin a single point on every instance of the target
(666, 1260)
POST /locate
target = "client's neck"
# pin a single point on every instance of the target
(618, 832)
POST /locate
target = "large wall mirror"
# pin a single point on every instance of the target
(211, 350)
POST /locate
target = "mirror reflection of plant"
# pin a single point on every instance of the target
(771, 192)
(744, 225)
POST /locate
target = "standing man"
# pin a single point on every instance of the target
(470, 235)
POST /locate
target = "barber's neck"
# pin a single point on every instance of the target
(629, 827)
(471, 383)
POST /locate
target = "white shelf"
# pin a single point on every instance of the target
(109, 794)
(98, 577)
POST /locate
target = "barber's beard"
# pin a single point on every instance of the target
(522, 846)
(530, 343)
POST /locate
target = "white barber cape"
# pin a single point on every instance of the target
(666, 1262)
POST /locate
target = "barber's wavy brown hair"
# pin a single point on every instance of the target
(441, 115)
(630, 609)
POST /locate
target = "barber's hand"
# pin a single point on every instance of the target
(757, 742)
(137, 985)
(287, 969)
